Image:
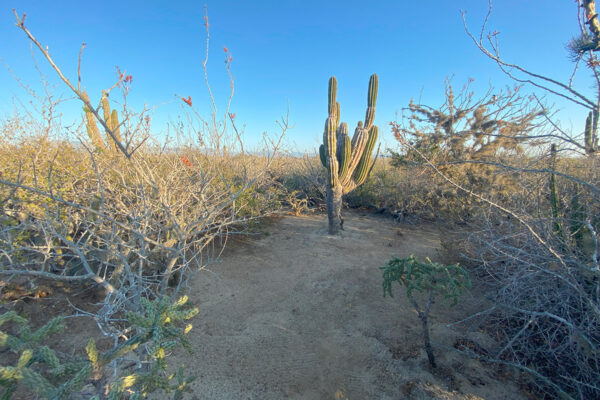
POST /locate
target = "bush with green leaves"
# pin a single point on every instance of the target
(53, 375)
(426, 277)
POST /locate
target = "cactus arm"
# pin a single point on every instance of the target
(359, 142)
(112, 121)
(322, 155)
(91, 127)
(588, 134)
(344, 153)
(114, 125)
(371, 101)
(594, 134)
(106, 109)
(342, 131)
(362, 169)
(332, 93)
(372, 163)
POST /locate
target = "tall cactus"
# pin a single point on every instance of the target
(590, 136)
(348, 162)
(92, 128)
(112, 121)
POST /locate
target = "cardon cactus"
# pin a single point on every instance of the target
(92, 128)
(590, 136)
(348, 162)
(112, 121)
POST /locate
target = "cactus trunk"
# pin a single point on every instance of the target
(334, 208)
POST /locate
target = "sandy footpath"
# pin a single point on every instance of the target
(299, 314)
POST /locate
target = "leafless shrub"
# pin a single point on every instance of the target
(531, 242)
(139, 222)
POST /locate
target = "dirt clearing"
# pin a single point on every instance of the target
(299, 314)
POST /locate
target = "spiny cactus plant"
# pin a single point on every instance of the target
(348, 162)
(590, 135)
(92, 128)
(55, 376)
(112, 121)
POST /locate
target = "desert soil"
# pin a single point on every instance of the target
(298, 314)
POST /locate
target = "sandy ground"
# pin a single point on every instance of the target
(299, 314)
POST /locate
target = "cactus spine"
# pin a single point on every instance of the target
(348, 162)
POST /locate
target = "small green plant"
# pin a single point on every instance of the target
(55, 376)
(425, 277)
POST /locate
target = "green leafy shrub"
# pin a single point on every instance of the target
(425, 277)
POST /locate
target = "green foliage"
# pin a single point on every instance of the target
(55, 376)
(447, 280)
(430, 277)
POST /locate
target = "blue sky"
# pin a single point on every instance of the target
(284, 52)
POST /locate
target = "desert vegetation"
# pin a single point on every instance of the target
(111, 209)
(126, 213)
(348, 162)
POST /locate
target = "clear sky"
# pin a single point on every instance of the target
(284, 52)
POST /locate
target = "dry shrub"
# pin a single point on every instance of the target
(304, 179)
(532, 215)
(136, 216)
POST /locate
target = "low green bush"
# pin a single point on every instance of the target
(53, 375)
